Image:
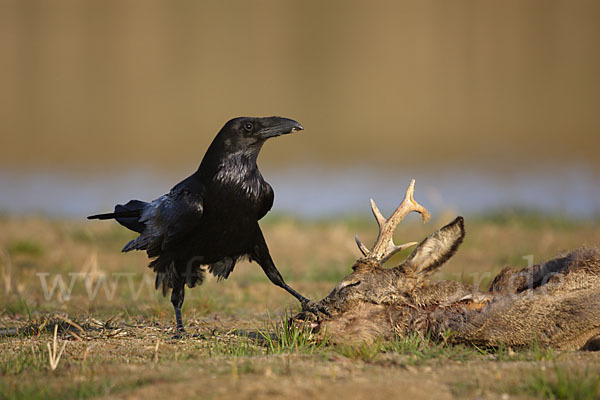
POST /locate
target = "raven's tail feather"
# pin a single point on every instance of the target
(169, 271)
(127, 215)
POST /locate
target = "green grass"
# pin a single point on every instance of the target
(422, 349)
(277, 336)
(15, 305)
(235, 347)
(534, 352)
(235, 353)
(25, 359)
(236, 340)
(366, 352)
(564, 384)
(25, 247)
(528, 218)
(86, 389)
(415, 349)
(285, 336)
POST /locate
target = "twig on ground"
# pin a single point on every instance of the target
(156, 351)
(73, 324)
(87, 350)
(53, 358)
(6, 271)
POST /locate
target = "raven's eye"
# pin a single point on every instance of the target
(248, 127)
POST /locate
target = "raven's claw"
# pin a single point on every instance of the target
(180, 333)
(315, 308)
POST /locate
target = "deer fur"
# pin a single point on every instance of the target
(556, 303)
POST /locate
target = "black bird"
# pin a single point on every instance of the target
(211, 218)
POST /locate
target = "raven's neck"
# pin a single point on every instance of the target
(239, 172)
(227, 166)
(237, 166)
(228, 153)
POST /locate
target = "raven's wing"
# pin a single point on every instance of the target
(181, 215)
(266, 202)
(168, 219)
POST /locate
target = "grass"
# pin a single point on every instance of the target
(25, 247)
(24, 359)
(277, 336)
(565, 384)
(241, 347)
(422, 349)
(238, 353)
(16, 306)
(244, 345)
(87, 389)
(534, 352)
(415, 349)
(285, 336)
(365, 352)
(529, 219)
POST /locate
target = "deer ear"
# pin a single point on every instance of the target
(435, 249)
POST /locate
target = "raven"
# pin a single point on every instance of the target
(210, 219)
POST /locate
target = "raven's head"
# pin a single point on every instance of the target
(250, 133)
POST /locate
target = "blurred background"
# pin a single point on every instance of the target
(488, 104)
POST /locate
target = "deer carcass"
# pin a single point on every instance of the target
(556, 303)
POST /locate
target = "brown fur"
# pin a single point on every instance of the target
(556, 303)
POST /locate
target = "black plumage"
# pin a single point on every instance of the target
(211, 218)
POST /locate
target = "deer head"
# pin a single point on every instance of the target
(371, 282)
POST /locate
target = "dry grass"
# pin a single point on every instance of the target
(119, 344)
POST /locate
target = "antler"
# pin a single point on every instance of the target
(384, 246)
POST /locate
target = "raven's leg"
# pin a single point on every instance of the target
(261, 255)
(177, 295)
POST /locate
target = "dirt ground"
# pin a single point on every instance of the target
(117, 331)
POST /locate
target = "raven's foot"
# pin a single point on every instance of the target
(180, 333)
(315, 308)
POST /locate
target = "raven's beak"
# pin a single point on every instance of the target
(276, 126)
